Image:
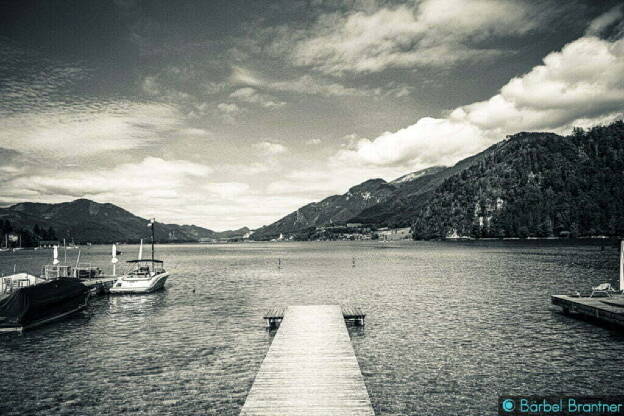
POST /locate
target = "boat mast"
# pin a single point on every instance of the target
(622, 265)
(153, 223)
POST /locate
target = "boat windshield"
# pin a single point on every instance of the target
(146, 267)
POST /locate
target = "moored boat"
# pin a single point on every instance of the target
(145, 276)
(38, 304)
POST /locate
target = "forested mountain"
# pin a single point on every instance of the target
(400, 209)
(83, 220)
(334, 209)
(533, 184)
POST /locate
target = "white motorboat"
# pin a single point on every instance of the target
(145, 276)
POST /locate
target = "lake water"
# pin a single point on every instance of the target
(449, 327)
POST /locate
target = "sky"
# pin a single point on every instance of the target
(234, 113)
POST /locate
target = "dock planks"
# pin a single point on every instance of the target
(606, 309)
(310, 368)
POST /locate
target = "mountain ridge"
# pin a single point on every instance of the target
(83, 220)
(441, 202)
(333, 209)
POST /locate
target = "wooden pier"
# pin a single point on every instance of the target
(351, 314)
(310, 368)
(99, 285)
(608, 309)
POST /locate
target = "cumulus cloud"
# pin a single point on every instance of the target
(270, 148)
(583, 84)
(87, 130)
(433, 33)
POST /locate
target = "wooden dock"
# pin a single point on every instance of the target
(608, 310)
(310, 368)
(351, 314)
(99, 285)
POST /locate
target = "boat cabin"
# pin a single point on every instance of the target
(145, 268)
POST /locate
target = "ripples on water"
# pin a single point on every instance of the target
(449, 327)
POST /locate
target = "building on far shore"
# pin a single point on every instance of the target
(394, 233)
(48, 243)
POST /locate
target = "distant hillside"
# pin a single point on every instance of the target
(334, 209)
(413, 192)
(532, 184)
(83, 221)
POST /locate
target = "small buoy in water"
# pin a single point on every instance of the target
(353, 262)
(193, 290)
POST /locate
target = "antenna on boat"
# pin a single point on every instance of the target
(114, 260)
(151, 225)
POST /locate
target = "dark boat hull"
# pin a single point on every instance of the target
(37, 305)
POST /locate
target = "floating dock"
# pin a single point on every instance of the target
(609, 309)
(310, 369)
(351, 314)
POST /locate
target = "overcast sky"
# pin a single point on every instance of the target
(234, 113)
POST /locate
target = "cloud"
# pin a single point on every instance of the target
(313, 142)
(228, 108)
(583, 84)
(243, 76)
(304, 84)
(251, 95)
(429, 141)
(88, 129)
(434, 33)
(194, 132)
(227, 190)
(269, 148)
(178, 191)
(150, 174)
(613, 17)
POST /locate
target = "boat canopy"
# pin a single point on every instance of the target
(32, 303)
(145, 261)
